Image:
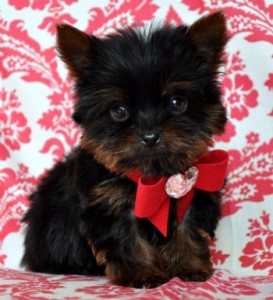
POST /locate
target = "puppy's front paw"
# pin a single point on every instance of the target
(135, 276)
(200, 276)
(150, 279)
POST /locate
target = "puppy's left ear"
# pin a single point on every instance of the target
(209, 34)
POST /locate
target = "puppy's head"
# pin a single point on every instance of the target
(147, 99)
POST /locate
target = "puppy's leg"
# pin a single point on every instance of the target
(187, 256)
(187, 252)
(136, 266)
(108, 223)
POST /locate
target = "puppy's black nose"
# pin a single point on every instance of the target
(150, 138)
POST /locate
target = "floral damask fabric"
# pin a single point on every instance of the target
(223, 285)
(36, 130)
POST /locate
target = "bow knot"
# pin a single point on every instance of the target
(153, 195)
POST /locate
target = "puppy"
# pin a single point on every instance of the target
(138, 197)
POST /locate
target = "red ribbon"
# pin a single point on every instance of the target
(152, 201)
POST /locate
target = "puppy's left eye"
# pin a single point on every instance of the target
(119, 113)
(178, 104)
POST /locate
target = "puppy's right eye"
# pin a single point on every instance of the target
(178, 104)
(119, 113)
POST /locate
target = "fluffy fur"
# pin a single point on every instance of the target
(147, 100)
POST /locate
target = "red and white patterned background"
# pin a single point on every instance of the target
(36, 104)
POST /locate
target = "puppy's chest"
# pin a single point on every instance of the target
(116, 196)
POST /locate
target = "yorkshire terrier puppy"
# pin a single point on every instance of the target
(139, 196)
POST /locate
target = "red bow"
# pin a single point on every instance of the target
(153, 202)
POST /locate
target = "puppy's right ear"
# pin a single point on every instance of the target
(74, 48)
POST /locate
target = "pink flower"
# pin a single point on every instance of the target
(258, 253)
(253, 138)
(240, 95)
(14, 132)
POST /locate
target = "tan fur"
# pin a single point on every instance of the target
(187, 258)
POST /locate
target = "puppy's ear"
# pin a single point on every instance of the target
(74, 48)
(209, 34)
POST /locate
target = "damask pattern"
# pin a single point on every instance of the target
(223, 285)
(36, 130)
(16, 130)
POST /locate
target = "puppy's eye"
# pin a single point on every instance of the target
(119, 113)
(178, 104)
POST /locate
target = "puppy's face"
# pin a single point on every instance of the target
(147, 100)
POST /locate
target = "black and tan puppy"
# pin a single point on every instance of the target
(148, 103)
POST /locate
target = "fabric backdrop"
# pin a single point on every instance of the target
(36, 104)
